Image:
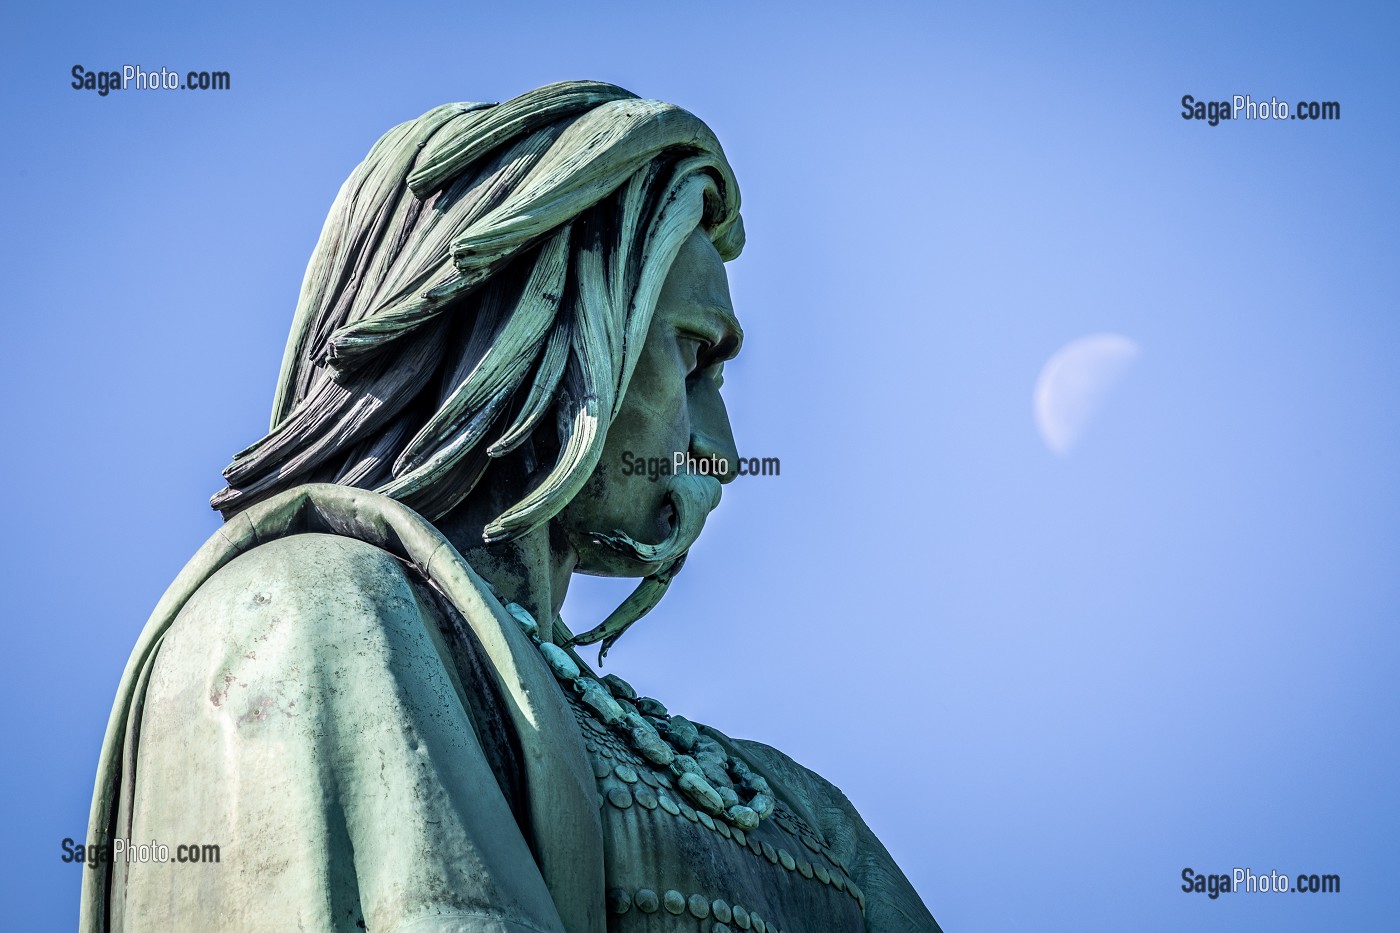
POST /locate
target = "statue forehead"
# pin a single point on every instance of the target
(696, 291)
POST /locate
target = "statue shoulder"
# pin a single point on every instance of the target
(300, 603)
(316, 580)
(817, 792)
(303, 711)
(890, 901)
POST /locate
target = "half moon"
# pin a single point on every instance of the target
(1074, 384)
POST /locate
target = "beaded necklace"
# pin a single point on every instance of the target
(715, 781)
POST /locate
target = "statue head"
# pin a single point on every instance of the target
(481, 316)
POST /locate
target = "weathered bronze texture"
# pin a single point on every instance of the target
(361, 687)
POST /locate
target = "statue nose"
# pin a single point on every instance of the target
(721, 452)
(711, 437)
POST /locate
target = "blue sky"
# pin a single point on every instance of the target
(1049, 683)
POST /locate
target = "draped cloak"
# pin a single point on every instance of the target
(296, 699)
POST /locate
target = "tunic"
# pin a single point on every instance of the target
(672, 867)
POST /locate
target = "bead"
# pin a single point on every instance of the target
(762, 804)
(811, 843)
(648, 778)
(742, 817)
(650, 707)
(755, 847)
(786, 858)
(739, 836)
(758, 925)
(619, 687)
(626, 773)
(823, 875)
(683, 764)
(619, 901)
(527, 621)
(770, 853)
(700, 792)
(620, 798)
(804, 867)
(727, 795)
(755, 783)
(706, 747)
(600, 769)
(647, 901)
(723, 828)
(720, 928)
(838, 881)
(741, 918)
(699, 906)
(707, 821)
(721, 911)
(688, 813)
(669, 805)
(715, 773)
(673, 901)
(592, 695)
(652, 747)
(645, 796)
(564, 667)
(684, 734)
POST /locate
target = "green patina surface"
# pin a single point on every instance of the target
(353, 688)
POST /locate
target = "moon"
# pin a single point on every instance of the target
(1074, 383)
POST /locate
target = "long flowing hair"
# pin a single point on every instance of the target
(483, 287)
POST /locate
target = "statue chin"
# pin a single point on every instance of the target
(692, 498)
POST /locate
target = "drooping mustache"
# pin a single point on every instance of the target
(693, 498)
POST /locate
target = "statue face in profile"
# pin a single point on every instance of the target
(510, 308)
(673, 406)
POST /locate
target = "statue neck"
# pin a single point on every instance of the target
(533, 570)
